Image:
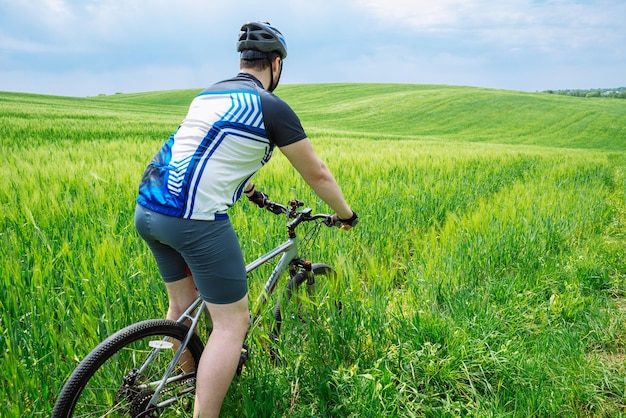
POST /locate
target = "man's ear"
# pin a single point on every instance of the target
(276, 64)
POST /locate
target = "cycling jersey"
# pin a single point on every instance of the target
(229, 133)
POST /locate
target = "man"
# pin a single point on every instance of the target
(229, 133)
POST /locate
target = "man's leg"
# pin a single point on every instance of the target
(221, 356)
(181, 294)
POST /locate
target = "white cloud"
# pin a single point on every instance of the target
(8, 43)
(141, 45)
(442, 15)
(548, 25)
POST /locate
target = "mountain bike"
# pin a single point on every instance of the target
(148, 369)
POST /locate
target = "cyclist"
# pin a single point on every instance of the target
(230, 132)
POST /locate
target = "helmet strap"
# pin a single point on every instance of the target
(273, 85)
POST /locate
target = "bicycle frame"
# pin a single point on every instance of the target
(288, 252)
(165, 378)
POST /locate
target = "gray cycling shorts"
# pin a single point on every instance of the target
(210, 249)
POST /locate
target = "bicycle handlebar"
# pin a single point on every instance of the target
(298, 216)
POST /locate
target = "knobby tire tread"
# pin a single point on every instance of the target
(85, 370)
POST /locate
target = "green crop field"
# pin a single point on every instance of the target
(487, 277)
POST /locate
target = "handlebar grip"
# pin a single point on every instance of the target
(274, 207)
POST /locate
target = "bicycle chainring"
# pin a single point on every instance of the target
(138, 398)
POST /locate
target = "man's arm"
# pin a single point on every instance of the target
(313, 170)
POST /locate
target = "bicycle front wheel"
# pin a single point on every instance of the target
(119, 377)
(307, 299)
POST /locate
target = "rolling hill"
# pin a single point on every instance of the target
(372, 111)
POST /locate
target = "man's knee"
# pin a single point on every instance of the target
(235, 316)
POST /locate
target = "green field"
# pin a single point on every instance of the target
(487, 276)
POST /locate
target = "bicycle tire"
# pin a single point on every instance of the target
(106, 382)
(296, 282)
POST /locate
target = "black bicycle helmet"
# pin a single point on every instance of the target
(261, 36)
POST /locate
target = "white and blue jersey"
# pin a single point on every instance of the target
(229, 133)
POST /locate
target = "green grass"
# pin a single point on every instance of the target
(487, 276)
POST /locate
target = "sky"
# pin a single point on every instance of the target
(90, 47)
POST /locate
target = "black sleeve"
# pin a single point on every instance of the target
(282, 125)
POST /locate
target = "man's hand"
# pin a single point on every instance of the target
(345, 224)
(258, 198)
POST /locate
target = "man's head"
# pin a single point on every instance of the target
(262, 46)
(261, 37)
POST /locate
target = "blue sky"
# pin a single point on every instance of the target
(89, 47)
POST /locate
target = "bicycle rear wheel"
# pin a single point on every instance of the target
(118, 378)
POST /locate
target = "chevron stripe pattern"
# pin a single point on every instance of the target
(177, 175)
(246, 110)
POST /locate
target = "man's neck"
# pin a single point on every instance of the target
(263, 77)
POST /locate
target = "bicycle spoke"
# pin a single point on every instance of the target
(120, 377)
